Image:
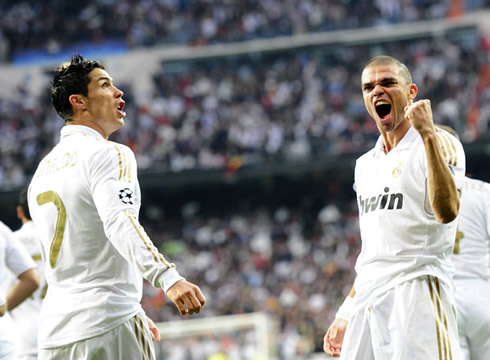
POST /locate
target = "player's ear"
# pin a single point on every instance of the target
(413, 92)
(20, 212)
(77, 101)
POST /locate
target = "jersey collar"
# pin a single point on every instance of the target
(68, 130)
(405, 143)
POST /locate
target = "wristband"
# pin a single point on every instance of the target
(346, 309)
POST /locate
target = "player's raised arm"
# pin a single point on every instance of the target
(445, 162)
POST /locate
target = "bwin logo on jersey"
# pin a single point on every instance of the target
(126, 196)
(382, 201)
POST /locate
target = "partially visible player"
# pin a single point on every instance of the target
(471, 258)
(85, 199)
(13, 258)
(26, 315)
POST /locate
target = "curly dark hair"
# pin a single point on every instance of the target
(71, 79)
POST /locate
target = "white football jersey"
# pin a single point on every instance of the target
(471, 255)
(13, 259)
(26, 315)
(84, 199)
(401, 239)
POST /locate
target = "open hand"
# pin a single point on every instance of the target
(155, 333)
(332, 342)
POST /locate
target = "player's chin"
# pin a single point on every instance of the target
(386, 124)
(119, 123)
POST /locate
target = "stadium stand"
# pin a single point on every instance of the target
(30, 31)
(244, 110)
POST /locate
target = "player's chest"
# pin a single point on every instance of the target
(400, 172)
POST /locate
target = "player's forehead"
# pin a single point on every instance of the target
(97, 75)
(379, 72)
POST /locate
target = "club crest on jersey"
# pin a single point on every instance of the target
(397, 171)
(126, 196)
(384, 201)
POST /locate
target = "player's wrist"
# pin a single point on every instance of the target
(169, 278)
(346, 309)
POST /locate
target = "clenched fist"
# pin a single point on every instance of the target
(187, 297)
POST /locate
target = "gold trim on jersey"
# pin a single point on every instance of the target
(146, 240)
(448, 148)
(120, 160)
(127, 167)
(441, 320)
(139, 332)
(44, 291)
(52, 197)
(124, 163)
(37, 257)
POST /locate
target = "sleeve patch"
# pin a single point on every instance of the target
(126, 196)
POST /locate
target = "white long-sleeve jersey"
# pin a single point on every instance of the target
(15, 260)
(26, 316)
(84, 199)
(471, 255)
(401, 238)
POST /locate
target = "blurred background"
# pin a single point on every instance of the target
(246, 118)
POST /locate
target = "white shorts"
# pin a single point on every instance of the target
(472, 299)
(415, 320)
(131, 340)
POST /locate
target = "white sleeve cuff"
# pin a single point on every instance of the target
(169, 278)
(346, 309)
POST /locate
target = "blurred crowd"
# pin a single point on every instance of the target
(299, 105)
(294, 263)
(233, 112)
(57, 24)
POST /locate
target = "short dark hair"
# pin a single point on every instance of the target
(23, 203)
(70, 79)
(389, 60)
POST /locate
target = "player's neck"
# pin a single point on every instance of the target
(393, 138)
(89, 123)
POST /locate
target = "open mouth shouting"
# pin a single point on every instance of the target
(383, 109)
(120, 108)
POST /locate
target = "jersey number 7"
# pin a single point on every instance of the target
(53, 197)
